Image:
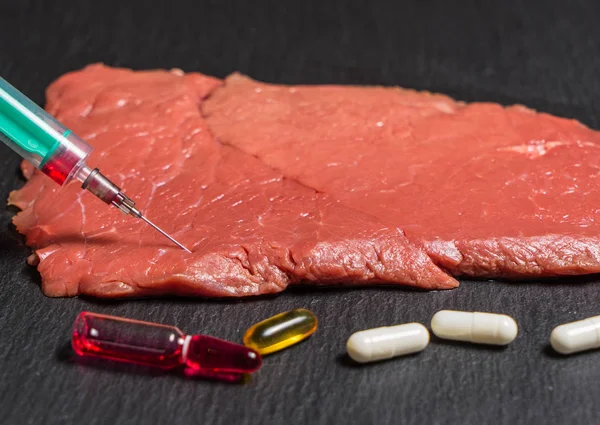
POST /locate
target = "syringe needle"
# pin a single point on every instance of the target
(64, 154)
(110, 193)
(165, 234)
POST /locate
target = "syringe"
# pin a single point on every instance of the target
(57, 151)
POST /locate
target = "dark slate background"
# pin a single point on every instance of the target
(545, 54)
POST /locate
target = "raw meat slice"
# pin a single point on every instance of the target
(488, 191)
(251, 230)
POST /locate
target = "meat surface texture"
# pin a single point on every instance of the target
(274, 185)
(485, 190)
(252, 230)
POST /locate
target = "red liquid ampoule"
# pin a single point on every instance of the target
(163, 346)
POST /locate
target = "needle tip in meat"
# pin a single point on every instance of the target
(165, 234)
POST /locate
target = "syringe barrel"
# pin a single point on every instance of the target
(133, 341)
(39, 138)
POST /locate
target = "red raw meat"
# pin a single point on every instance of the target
(252, 231)
(487, 191)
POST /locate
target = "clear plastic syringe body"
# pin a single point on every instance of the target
(57, 151)
(53, 148)
(40, 138)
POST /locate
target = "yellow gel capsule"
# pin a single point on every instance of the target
(281, 331)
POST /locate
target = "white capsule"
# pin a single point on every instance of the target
(576, 336)
(479, 328)
(387, 342)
